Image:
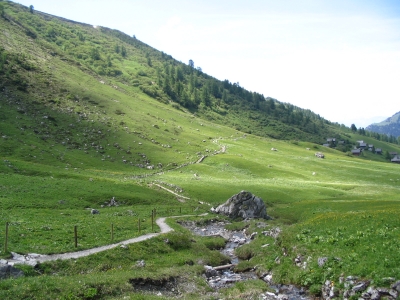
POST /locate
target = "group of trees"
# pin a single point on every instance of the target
(165, 79)
(378, 136)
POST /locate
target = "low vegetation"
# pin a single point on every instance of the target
(88, 114)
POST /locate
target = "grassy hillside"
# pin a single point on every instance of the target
(87, 114)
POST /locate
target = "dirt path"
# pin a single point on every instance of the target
(33, 259)
(172, 192)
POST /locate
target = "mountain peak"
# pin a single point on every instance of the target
(390, 126)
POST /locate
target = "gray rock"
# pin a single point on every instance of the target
(383, 291)
(140, 264)
(394, 293)
(375, 295)
(253, 235)
(94, 212)
(7, 271)
(396, 286)
(244, 205)
(366, 295)
(334, 292)
(322, 261)
(210, 271)
(361, 286)
(268, 278)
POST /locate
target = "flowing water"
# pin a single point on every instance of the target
(226, 277)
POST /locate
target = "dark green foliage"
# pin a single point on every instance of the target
(213, 243)
(123, 51)
(1, 10)
(178, 241)
(95, 54)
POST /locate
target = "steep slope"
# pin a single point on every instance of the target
(390, 126)
(31, 41)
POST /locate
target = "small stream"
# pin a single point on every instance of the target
(226, 277)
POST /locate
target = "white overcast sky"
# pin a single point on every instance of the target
(340, 59)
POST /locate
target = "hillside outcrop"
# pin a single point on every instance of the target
(244, 205)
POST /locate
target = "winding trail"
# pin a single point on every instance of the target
(39, 258)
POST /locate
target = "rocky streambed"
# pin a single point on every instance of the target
(224, 276)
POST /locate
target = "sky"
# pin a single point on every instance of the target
(340, 59)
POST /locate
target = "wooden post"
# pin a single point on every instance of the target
(6, 239)
(76, 236)
(152, 220)
(112, 231)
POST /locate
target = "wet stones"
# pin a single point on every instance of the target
(362, 288)
(210, 272)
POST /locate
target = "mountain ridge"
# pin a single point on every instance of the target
(389, 126)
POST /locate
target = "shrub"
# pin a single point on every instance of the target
(245, 252)
(214, 243)
(178, 241)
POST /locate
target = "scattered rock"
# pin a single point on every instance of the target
(322, 261)
(140, 264)
(359, 287)
(396, 286)
(94, 212)
(210, 271)
(274, 232)
(7, 271)
(298, 260)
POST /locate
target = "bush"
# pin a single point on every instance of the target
(244, 266)
(245, 252)
(214, 243)
(178, 241)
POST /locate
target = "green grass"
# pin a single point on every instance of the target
(69, 143)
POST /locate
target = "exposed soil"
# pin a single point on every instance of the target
(164, 286)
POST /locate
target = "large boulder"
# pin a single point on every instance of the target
(244, 205)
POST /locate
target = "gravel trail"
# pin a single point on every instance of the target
(39, 258)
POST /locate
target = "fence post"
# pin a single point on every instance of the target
(76, 236)
(6, 239)
(152, 220)
(112, 232)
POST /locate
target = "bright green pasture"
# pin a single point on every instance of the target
(290, 174)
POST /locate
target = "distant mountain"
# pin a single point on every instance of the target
(390, 126)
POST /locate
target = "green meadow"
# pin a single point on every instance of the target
(77, 130)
